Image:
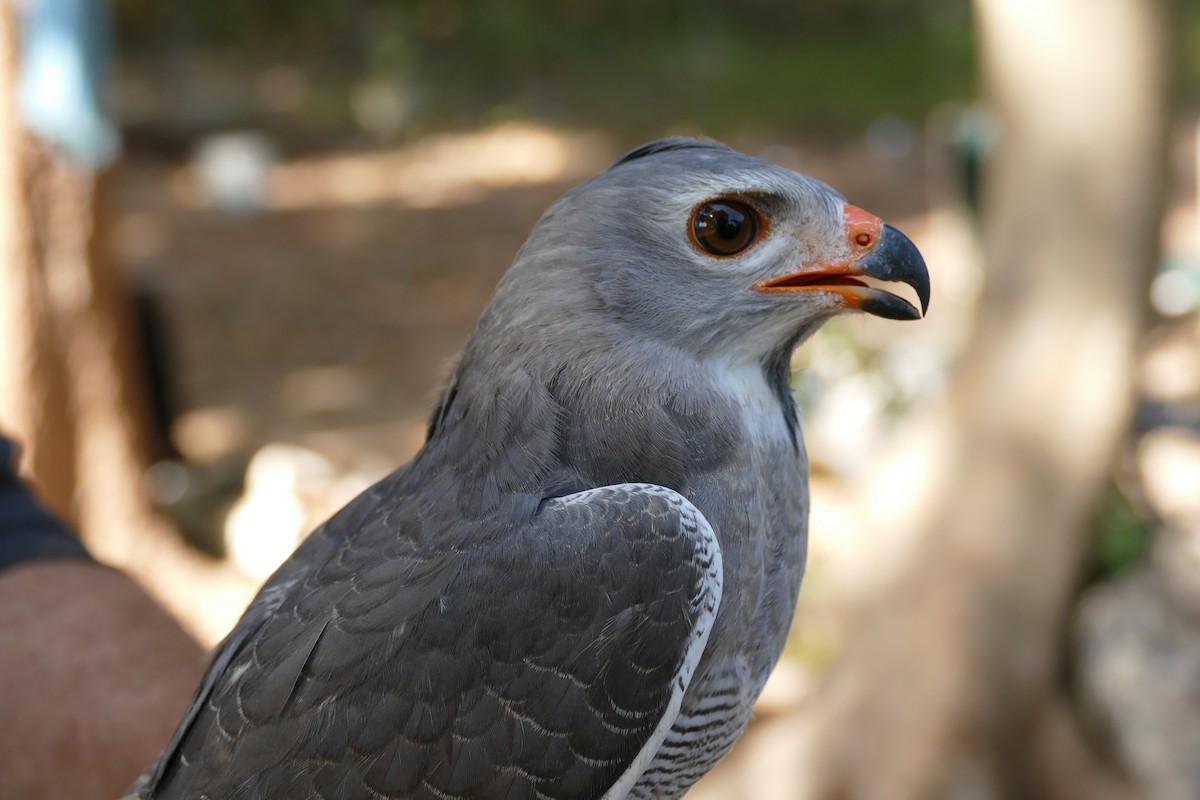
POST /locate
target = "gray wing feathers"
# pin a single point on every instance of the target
(702, 605)
(534, 658)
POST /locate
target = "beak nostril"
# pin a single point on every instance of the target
(863, 229)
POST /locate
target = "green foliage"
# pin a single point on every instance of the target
(1122, 536)
(1188, 50)
(626, 64)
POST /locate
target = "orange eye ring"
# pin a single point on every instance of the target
(863, 239)
(724, 227)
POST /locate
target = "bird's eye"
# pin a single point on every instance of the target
(724, 227)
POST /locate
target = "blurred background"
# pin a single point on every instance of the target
(244, 242)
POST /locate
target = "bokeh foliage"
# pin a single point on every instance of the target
(623, 64)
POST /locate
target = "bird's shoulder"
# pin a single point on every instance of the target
(561, 642)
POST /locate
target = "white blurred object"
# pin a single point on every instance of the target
(233, 170)
(271, 518)
(1169, 461)
(847, 423)
(1176, 291)
(290, 490)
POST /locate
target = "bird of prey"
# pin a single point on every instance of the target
(578, 586)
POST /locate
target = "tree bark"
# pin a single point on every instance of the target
(72, 387)
(951, 689)
(98, 338)
(34, 402)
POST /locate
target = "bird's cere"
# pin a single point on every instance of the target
(862, 229)
(578, 586)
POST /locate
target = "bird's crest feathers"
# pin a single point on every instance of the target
(669, 143)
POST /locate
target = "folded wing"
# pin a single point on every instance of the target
(537, 657)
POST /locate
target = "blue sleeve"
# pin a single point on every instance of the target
(28, 531)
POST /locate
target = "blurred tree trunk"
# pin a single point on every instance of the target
(953, 687)
(72, 386)
(33, 380)
(96, 338)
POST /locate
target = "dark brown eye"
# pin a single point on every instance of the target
(724, 227)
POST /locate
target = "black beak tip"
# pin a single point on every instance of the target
(889, 306)
(896, 258)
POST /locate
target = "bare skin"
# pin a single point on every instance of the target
(94, 677)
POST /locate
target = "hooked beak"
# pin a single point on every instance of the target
(877, 250)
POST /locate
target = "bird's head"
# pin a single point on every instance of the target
(689, 243)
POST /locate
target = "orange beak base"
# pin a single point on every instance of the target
(877, 250)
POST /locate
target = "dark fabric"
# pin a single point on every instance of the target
(28, 532)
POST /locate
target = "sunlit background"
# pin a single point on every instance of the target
(306, 205)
